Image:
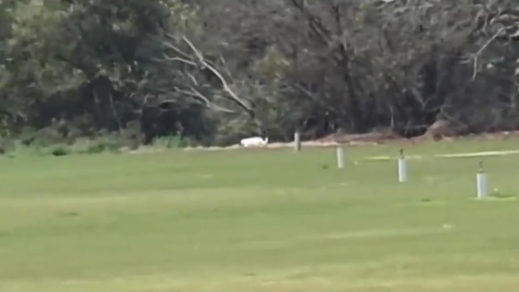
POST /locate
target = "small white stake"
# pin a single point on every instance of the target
(340, 157)
(402, 168)
(482, 182)
(297, 141)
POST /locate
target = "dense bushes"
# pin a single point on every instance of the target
(211, 72)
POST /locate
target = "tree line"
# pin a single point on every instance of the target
(214, 71)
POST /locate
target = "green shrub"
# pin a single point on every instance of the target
(59, 150)
(168, 142)
(109, 143)
(6, 145)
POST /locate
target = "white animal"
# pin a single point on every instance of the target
(254, 142)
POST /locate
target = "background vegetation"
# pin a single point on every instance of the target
(210, 71)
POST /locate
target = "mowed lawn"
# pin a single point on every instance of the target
(259, 221)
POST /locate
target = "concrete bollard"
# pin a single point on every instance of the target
(402, 168)
(482, 182)
(297, 141)
(340, 157)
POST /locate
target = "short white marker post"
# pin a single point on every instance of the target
(297, 141)
(340, 157)
(402, 167)
(482, 182)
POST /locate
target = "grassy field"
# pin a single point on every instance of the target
(259, 221)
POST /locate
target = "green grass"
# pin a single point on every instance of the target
(258, 221)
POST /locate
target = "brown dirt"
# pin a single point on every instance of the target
(374, 138)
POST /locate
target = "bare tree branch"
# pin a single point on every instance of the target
(313, 96)
(225, 85)
(181, 60)
(482, 49)
(192, 92)
(224, 64)
(193, 79)
(179, 51)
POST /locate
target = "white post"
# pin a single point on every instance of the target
(482, 182)
(340, 157)
(297, 141)
(402, 168)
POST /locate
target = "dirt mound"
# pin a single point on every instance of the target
(440, 130)
(377, 137)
